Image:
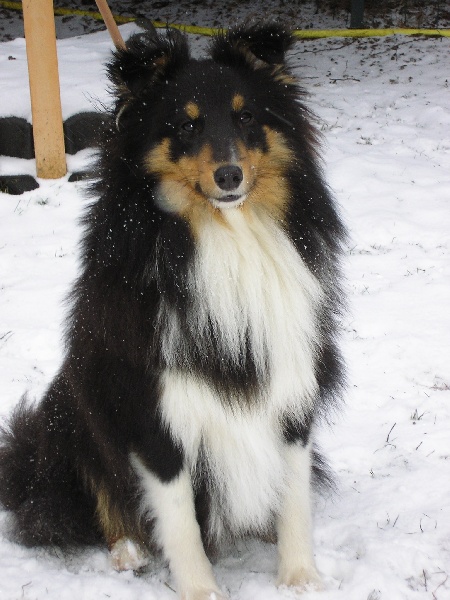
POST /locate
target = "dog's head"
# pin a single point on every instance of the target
(216, 132)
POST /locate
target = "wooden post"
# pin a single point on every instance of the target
(110, 23)
(40, 37)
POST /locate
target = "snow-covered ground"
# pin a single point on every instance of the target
(385, 111)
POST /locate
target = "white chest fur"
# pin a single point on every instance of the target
(247, 280)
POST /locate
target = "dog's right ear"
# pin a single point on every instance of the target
(148, 58)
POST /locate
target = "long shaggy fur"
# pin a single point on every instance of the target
(201, 340)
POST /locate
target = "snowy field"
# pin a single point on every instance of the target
(384, 106)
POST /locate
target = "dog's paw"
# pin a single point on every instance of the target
(303, 579)
(126, 555)
(203, 595)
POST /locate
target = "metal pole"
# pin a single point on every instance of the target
(40, 37)
(357, 14)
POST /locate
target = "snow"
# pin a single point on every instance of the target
(384, 107)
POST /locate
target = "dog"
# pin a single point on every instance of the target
(202, 336)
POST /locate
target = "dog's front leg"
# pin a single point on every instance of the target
(294, 527)
(177, 532)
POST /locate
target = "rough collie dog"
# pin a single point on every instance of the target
(200, 346)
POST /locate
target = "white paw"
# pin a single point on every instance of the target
(201, 594)
(126, 555)
(302, 578)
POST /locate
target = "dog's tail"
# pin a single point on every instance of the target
(40, 487)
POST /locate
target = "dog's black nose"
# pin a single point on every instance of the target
(228, 177)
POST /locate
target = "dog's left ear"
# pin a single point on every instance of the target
(255, 45)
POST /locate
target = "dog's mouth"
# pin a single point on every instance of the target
(230, 197)
(228, 200)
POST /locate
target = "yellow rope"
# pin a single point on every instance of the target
(299, 33)
(358, 33)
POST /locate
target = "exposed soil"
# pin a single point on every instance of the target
(301, 14)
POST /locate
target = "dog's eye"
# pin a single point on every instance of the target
(188, 126)
(246, 117)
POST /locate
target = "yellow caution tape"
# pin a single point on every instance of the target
(299, 33)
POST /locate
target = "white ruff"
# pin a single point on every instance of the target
(247, 280)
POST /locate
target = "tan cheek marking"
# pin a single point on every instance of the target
(157, 160)
(270, 190)
(237, 102)
(174, 190)
(192, 110)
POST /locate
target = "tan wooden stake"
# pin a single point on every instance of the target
(40, 36)
(110, 23)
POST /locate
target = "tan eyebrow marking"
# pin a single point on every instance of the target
(237, 102)
(192, 110)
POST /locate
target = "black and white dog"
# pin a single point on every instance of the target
(201, 343)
